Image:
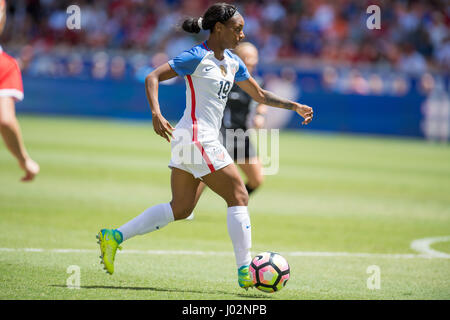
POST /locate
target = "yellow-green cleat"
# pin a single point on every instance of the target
(109, 241)
(244, 278)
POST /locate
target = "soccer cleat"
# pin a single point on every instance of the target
(244, 278)
(108, 247)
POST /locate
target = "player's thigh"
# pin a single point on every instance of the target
(184, 188)
(228, 184)
(252, 169)
(201, 187)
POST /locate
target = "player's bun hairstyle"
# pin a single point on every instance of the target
(219, 12)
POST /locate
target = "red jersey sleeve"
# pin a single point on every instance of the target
(10, 77)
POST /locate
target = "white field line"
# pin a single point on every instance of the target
(430, 254)
(423, 246)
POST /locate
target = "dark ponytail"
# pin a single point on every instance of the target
(219, 12)
(191, 25)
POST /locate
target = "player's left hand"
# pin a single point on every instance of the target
(305, 111)
(162, 127)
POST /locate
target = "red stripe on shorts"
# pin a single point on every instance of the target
(195, 128)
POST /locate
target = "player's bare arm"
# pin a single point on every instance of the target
(161, 126)
(2, 16)
(269, 98)
(10, 131)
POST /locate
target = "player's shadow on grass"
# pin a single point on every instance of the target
(243, 295)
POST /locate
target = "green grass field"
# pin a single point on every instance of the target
(334, 197)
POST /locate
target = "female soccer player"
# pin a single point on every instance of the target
(11, 90)
(210, 70)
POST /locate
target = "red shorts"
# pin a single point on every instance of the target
(10, 77)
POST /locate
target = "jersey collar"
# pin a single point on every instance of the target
(206, 46)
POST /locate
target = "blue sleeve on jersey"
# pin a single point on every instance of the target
(242, 74)
(186, 63)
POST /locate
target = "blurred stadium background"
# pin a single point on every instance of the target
(391, 81)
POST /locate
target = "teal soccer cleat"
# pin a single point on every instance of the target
(244, 278)
(109, 243)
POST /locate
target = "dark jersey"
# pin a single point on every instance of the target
(237, 109)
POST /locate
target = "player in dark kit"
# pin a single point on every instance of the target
(235, 119)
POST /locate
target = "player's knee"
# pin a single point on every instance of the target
(240, 198)
(256, 181)
(260, 180)
(181, 210)
(5, 123)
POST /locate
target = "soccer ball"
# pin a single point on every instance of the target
(269, 271)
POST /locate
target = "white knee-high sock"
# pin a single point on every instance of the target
(153, 218)
(239, 229)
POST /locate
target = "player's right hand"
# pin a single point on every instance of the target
(162, 127)
(305, 111)
(31, 169)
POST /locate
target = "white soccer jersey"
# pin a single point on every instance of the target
(208, 82)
